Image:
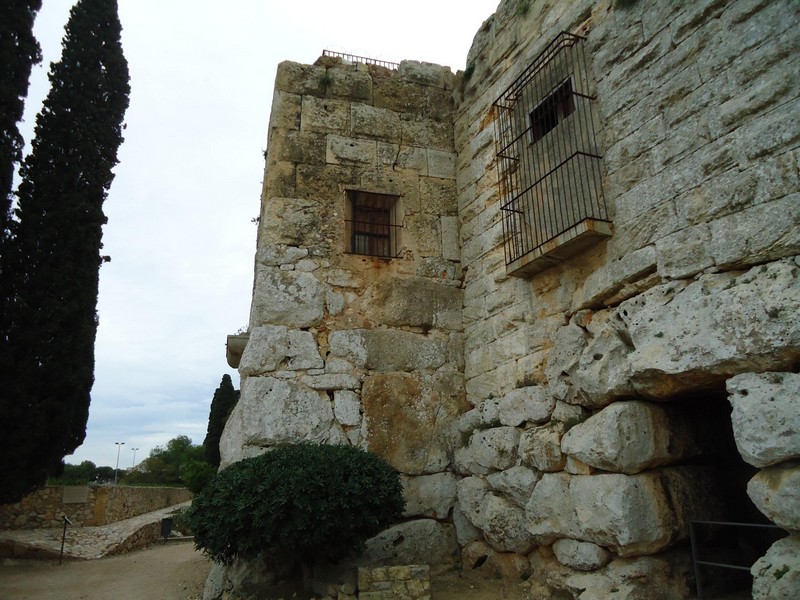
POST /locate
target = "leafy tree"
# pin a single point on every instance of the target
(51, 263)
(19, 51)
(165, 464)
(196, 475)
(86, 472)
(303, 503)
(225, 398)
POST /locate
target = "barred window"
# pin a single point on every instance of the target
(372, 224)
(548, 160)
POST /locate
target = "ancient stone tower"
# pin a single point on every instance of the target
(559, 291)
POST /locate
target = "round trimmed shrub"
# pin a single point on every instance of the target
(303, 502)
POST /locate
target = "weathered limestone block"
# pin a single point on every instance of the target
(276, 255)
(429, 495)
(386, 350)
(489, 450)
(628, 437)
(293, 221)
(323, 114)
(466, 532)
(666, 576)
(766, 419)
(423, 541)
(269, 346)
(481, 557)
(775, 492)
(349, 150)
(290, 298)
(503, 524)
(395, 302)
(569, 414)
(586, 363)
(540, 447)
(347, 407)
(531, 404)
(407, 418)
(630, 514)
(516, 483)
(776, 575)
(680, 336)
(275, 412)
(583, 556)
(379, 123)
(501, 521)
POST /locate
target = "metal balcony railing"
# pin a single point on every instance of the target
(549, 164)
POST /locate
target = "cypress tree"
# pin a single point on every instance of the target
(19, 51)
(225, 398)
(54, 253)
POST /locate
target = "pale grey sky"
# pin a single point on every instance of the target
(179, 232)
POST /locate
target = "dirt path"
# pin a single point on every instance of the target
(172, 572)
(178, 572)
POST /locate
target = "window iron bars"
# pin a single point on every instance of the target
(548, 162)
(352, 58)
(372, 228)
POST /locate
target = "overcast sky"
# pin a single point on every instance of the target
(179, 212)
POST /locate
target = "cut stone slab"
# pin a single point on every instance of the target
(407, 417)
(629, 437)
(766, 416)
(290, 298)
(630, 514)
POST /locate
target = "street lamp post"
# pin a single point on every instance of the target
(134, 457)
(119, 446)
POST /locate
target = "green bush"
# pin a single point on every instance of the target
(197, 474)
(301, 502)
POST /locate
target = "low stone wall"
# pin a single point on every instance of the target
(87, 505)
(411, 582)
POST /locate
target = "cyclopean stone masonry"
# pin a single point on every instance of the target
(569, 425)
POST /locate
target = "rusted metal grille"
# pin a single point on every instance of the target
(352, 58)
(548, 160)
(372, 225)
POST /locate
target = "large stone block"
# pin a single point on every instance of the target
(766, 419)
(583, 556)
(630, 514)
(530, 404)
(394, 350)
(423, 541)
(488, 450)
(540, 447)
(628, 437)
(681, 336)
(516, 483)
(775, 492)
(277, 412)
(429, 495)
(501, 521)
(776, 575)
(270, 346)
(397, 302)
(290, 298)
(407, 418)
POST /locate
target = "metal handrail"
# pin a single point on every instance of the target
(361, 59)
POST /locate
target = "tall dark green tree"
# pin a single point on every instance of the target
(53, 258)
(19, 51)
(225, 398)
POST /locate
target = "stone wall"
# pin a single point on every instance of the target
(567, 425)
(87, 505)
(347, 348)
(567, 458)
